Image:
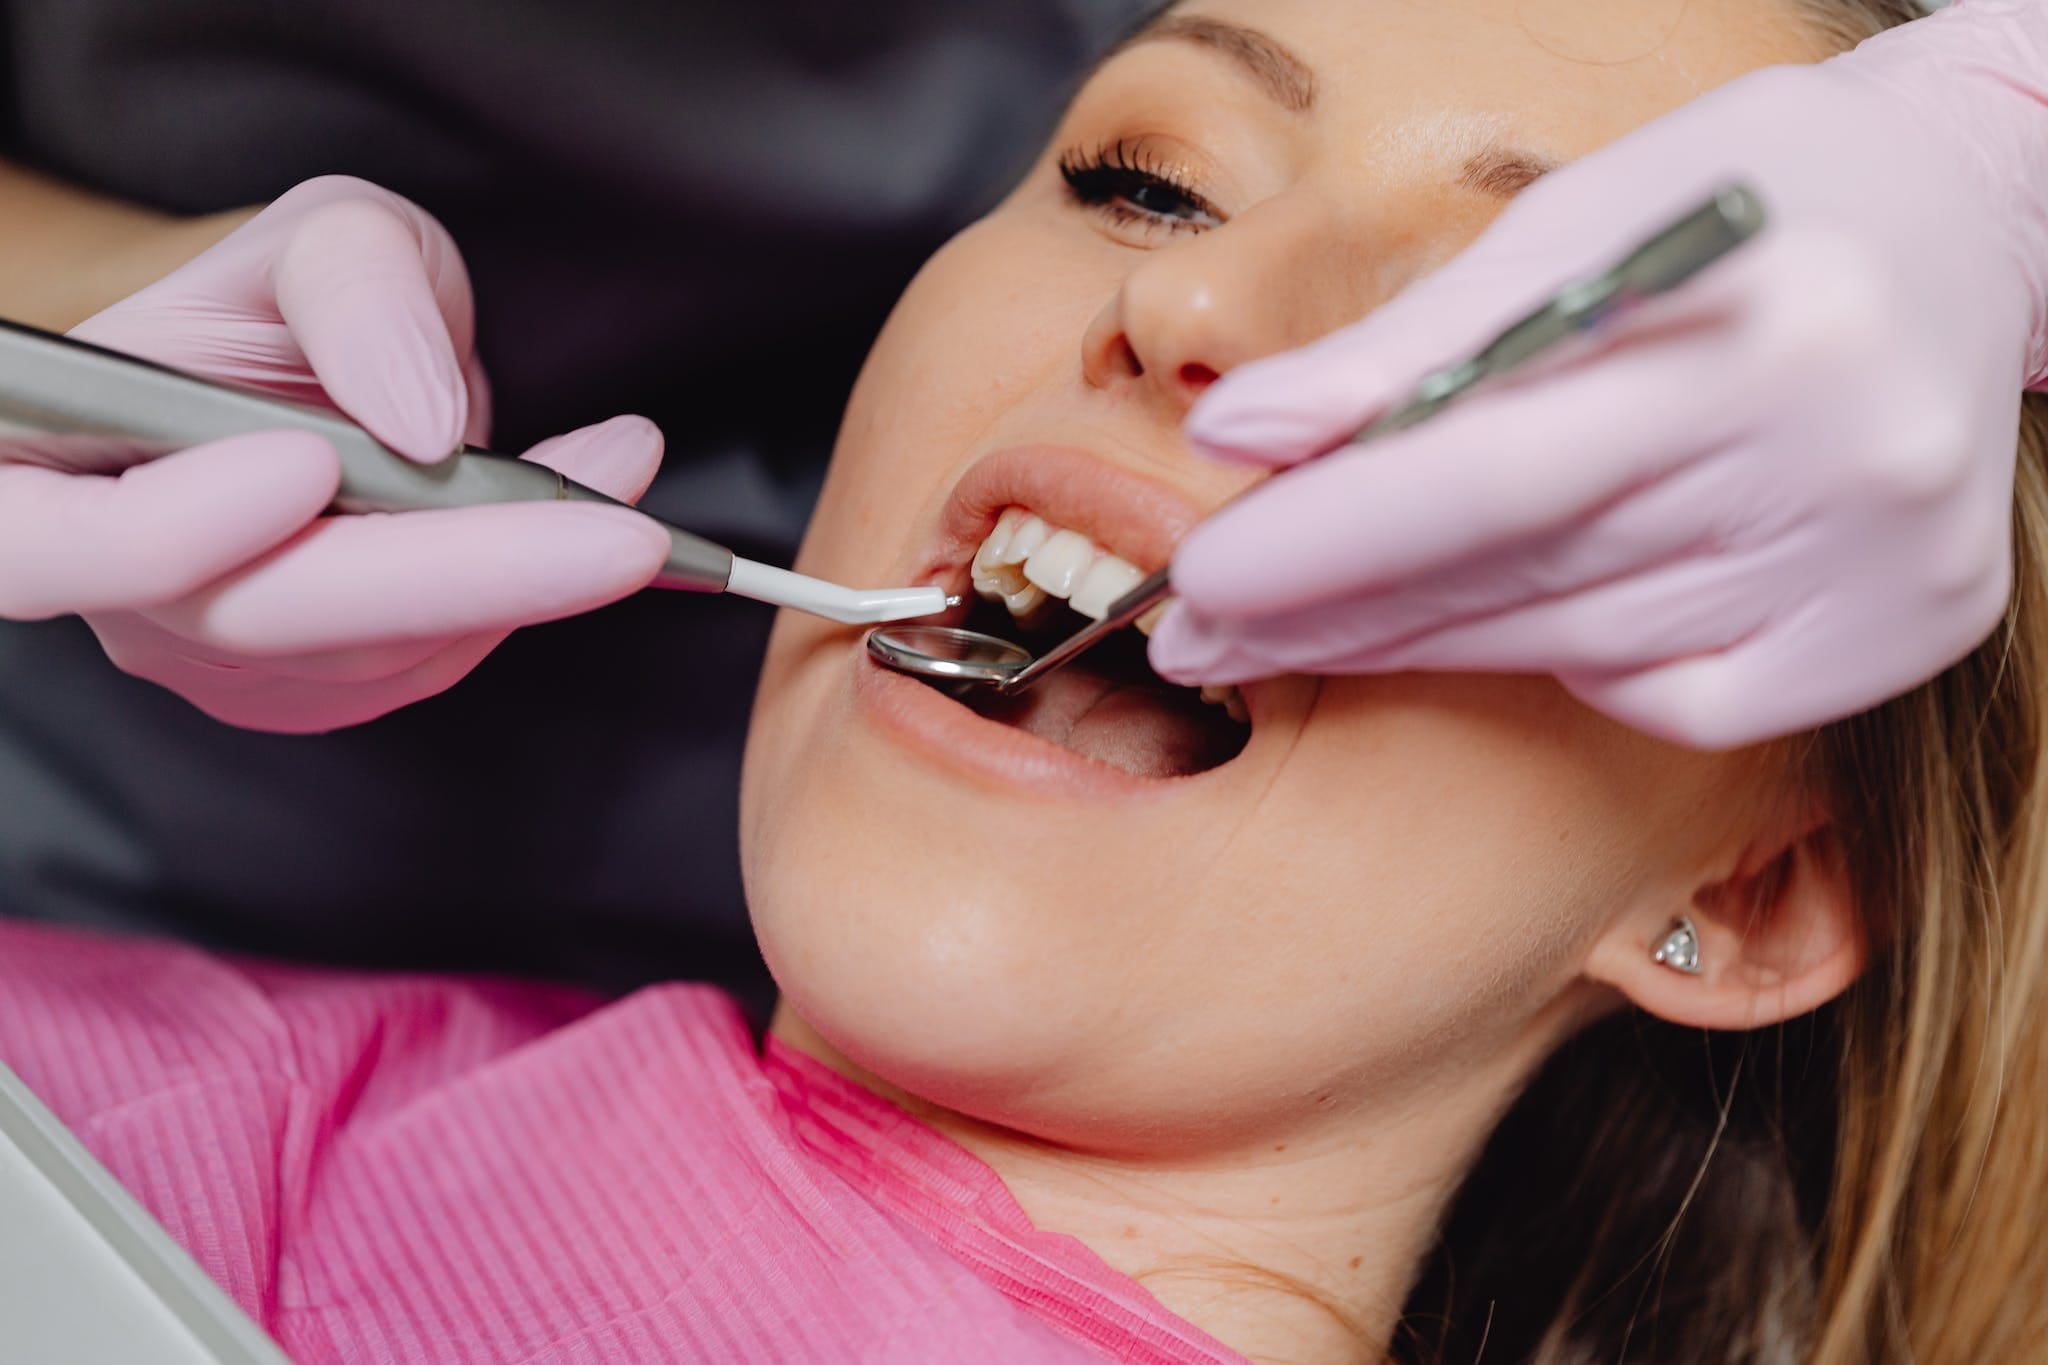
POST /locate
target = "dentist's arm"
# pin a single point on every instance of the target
(1775, 499)
(212, 571)
(66, 253)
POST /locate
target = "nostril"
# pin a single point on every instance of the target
(1127, 357)
(1197, 376)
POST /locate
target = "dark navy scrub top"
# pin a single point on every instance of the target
(699, 210)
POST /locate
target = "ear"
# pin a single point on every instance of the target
(1779, 936)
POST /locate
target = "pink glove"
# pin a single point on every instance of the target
(213, 572)
(1773, 499)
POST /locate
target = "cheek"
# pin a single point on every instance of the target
(1427, 869)
(974, 348)
(1452, 844)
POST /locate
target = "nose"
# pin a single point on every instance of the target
(1189, 312)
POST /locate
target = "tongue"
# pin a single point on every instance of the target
(1150, 731)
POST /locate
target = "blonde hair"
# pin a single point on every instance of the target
(1865, 1186)
(1935, 1250)
(1841, 24)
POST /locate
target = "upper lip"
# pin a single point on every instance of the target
(1133, 517)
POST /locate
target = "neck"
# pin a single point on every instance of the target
(1285, 1254)
(1298, 1247)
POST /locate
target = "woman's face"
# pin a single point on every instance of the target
(1019, 917)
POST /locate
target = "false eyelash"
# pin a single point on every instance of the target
(1105, 179)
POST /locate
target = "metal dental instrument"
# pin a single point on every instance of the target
(92, 408)
(1664, 262)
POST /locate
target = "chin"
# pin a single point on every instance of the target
(944, 967)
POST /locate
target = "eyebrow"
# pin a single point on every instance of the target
(1501, 172)
(1504, 172)
(1285, 77)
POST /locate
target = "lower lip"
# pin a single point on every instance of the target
(953, 736)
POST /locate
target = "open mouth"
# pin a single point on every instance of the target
(1035, 582)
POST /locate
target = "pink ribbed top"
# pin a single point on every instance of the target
(433, 1171)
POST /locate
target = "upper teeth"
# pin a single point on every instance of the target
(1026, 560)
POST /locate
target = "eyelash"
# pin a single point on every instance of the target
(1111, 179)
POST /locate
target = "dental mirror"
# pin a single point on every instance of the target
(949, 654)
(1732, 216)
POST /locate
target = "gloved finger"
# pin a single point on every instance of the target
(357, 581)
(230, 347)
(282, 703)
(429, 677)
(1694, 606)
(292, 700)
(235, 274)
(219, 314)
(1290, 407)
(79, 543)
(618, 457)
(378, 305)
(1509, 468)
(1713, 701)
(1193, 650)
(1695, 609)
(1743, 693)
(134, 639)
(1704, 512)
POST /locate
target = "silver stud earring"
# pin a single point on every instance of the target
(1679, 949)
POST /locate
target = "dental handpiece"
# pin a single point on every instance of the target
(79, 406)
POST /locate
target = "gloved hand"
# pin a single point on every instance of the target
(212, 571)
(1773, 499)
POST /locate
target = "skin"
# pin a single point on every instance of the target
(1260, 1021)
(65, 253)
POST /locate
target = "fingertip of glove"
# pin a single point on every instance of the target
(1191, 651)
(353, 288)
(1282, 413)
(1248, 428)
(1214, 570)
(1173, 651)
(527, 562)
(412, 396)
(613, 544)
(629, 437)
(1257, 443)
